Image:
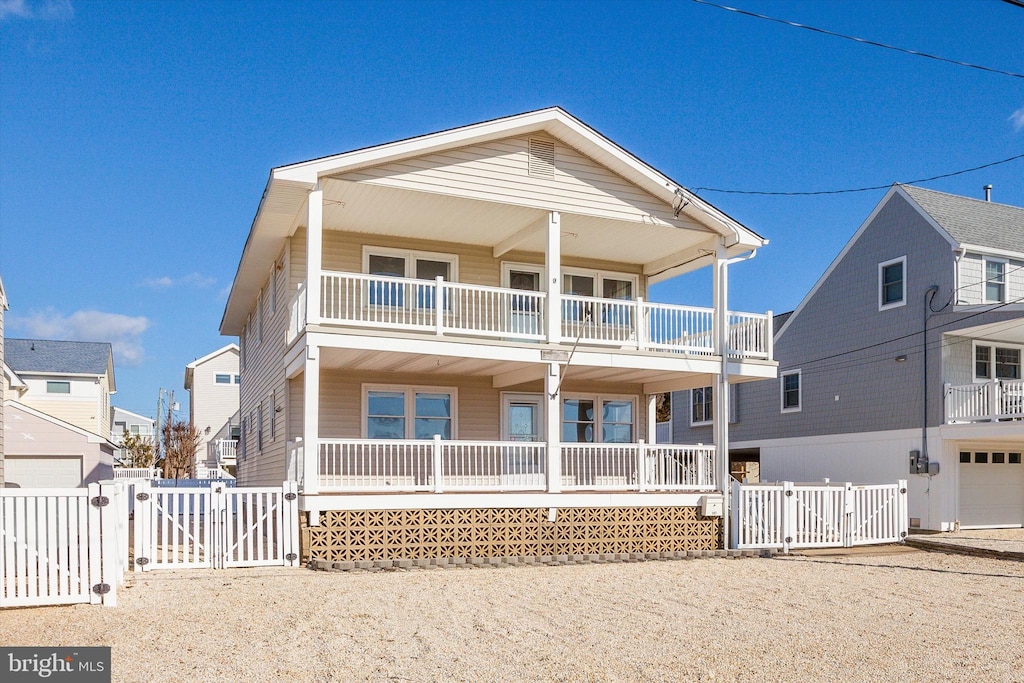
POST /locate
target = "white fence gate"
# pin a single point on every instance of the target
(63, 546)
(216, 526)
(786, 515)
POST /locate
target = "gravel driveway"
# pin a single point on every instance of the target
(913, 616)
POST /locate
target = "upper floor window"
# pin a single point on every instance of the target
(791, 391)
(58, 387)
(222, 379)
(409, 412)
(997, 362)
(597, 419)
(417, 265)
(590, 284)
(995, 281)
(238, 379)
(702, 402)
(892, 283)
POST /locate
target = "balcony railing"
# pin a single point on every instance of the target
(988, 402)
(456, 309)
(224, 451)
(438, 466)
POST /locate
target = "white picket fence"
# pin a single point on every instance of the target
(63, 546)
(787, 515)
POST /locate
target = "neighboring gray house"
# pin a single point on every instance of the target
(863, 396)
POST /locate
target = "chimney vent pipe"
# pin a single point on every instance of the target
(988, 193)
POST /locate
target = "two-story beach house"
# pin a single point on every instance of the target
(448, 341)
(212, 383)
(57, 412)
(126, 422)
(904, 357)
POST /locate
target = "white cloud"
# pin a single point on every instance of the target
(1018, 119)
(47, 10)
(194, 280)
(124, 332)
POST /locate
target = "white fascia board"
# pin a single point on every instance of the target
(454, 501)
(990, 251)
(842, 254)
(142, 418)
(224, 349)
(13, 378)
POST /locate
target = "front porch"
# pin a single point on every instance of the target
(994, 401)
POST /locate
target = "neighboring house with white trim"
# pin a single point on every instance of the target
(448, 340)
(212, 382)
(125, 421)
(70, 380)
(863, 396)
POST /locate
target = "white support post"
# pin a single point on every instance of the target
(311, 422)
(788, 515)
(770, 335)
(314, 254)
(110, 572)
(142, 507)
(993, 400)
(290, 524)
(720, 392)
(95, 568)
(439, 305)
(438, 465)
(652, 418)
(553, 263)
(902, 512)
(641, 466)
(640, 323)
(553, 425)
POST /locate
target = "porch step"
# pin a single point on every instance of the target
(527, 561)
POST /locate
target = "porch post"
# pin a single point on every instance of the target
(720, 393)
(314, 255)
(652, 418)
(553, 262)
(311, 422)
(553, 425)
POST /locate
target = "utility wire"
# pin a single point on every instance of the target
(696, 190)
(864, 41)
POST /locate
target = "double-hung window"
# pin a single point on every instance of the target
(791, 391)
(995, 281)
(997, 362)
(392, 266)
(409, 412)
(892, 287)
(597, 419)
(701, 403)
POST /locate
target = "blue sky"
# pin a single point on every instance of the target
(136, 138)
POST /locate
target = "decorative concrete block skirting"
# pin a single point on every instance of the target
(543, 560)
(500, 533)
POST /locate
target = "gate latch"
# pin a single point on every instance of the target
(142, 561)
(141, 496)
(101, 588)
(100, 501)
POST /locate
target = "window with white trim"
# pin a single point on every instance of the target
(406, 264)
(992, 361)
(55, 387)
(408, 412)
(259, 428)
(792, 391)
(599, 284)
(598, 419)
(273, 415)
(995, 280)
(892, 283)
(701, 406)
(222, 378)
(260, 300)
(273, 285)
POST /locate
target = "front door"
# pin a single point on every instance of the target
(525, 314)
(522, 423)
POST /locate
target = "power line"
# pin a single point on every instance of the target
(863, 41)
(695, 190)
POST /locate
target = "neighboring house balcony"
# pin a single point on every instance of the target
(439, 466)
(224, 452)
(387, 304)
(993, 401)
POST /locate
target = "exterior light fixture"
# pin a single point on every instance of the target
(901, 358)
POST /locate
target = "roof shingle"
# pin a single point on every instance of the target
(973, 222)
(64, 357)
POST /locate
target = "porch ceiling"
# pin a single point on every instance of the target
(1010, 331)
(395, 212)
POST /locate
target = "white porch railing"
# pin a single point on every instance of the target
(987, 402)
(364, 465)
(136, 473)
(225, 451)
(452, 308)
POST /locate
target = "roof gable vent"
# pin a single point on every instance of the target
(542, 158)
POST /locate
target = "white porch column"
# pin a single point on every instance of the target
(311, 422)
(314, 254)
(720, 392)
(652, 418)
(553, 426)
(553, 262)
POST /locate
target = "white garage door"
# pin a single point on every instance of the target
(991, 489)
(55, 472)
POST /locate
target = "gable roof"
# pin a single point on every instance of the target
(29, 410)
(288, 188)
(59, 357)
(191, 367)
(972, 222)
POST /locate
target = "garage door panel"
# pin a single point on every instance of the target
(991, 494)
(55, 472)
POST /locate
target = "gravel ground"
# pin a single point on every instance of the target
(913, 616)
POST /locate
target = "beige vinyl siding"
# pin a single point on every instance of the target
(103, 416)
(213, 405)
(79, 413)
(498, 171)
(262, 379)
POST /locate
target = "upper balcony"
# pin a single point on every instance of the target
(450, 309)
(995, 401)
